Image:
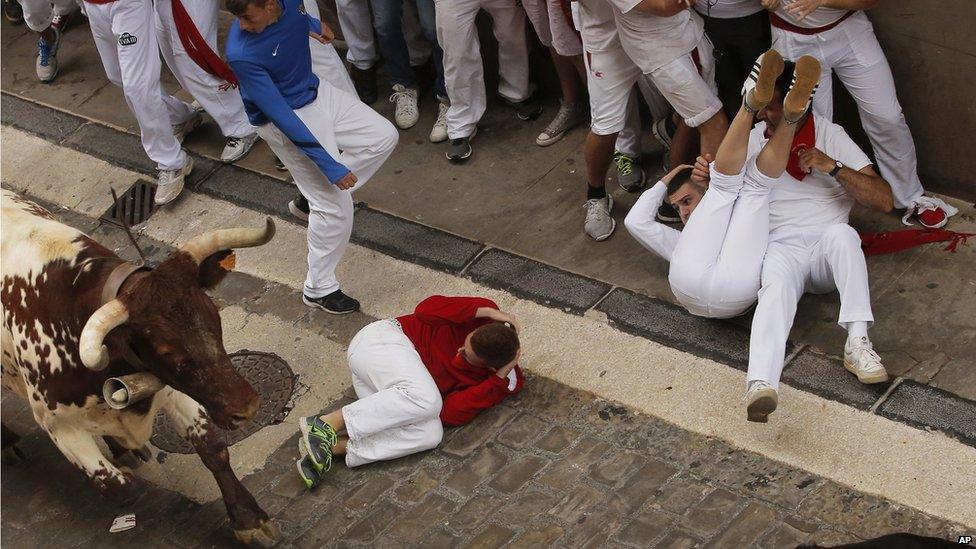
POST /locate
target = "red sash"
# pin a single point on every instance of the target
(198, 49)
(896, 241)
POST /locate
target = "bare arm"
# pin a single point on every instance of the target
(662, 8)
(866, 186)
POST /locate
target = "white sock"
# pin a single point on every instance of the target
(857, 330)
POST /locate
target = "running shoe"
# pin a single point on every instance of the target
(336, 303)
(316, 442)
(861, 360)
(307, 472)
(599, 224)
(47, 57)
(762, 400)
(405, 112)
(630, 174)
(757, 90)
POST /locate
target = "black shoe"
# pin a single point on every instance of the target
(279, 165)
(460, 149)
(13, 12)
(336, 303)
(530, 109)
(365, 83)
(667, 214)
(299, 208)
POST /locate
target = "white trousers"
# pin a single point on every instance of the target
(629, 138)
(338, 120)
(791, 268)
(326, 63)
(716, 264)
(38, 14)
(224, 106)
(463, 70)
(125, 37)
(852, 51)
(399, 406)
(357, 30)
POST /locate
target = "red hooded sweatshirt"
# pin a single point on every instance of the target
(437, 328)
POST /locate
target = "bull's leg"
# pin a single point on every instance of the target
(126, 456)
(8, 441)
(250, 523)
(82, 451)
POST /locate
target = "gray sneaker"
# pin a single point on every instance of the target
(569, 116)
(170, 183)
(180, 131)
(235, 148)
(599, 225)
(630, 174)
(47, 57)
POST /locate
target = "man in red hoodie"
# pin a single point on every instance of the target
(442, 365)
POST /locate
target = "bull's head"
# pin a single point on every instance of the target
(173, 326)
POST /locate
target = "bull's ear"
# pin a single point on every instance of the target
(215, 268)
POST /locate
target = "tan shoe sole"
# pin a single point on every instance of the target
(806, 76)
(880, 377)
(770, 68)
(762, 403)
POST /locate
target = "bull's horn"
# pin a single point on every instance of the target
(207, 244)
(94, 354)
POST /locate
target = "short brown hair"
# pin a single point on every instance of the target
(679, 179)
(238, 7)
(495, 343)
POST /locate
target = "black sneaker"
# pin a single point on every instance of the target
(12, 12)
(336, 303)
(306, 471)
(667, 214)
(299, 208)
(460, 148)
(279, 165)
(365, 83)
(530, 109)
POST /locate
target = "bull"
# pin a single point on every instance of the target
(76, 315)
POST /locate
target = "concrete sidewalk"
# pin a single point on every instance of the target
(516, 196)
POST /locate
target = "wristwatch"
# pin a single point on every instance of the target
(837, 168)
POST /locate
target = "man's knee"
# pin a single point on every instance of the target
(841, 236)
(433, 435)
(389, 137)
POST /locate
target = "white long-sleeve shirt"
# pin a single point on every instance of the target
(644, 227)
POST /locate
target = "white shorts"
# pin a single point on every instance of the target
(554, 26)
(688, 84)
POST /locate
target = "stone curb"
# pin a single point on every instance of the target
(629, 311)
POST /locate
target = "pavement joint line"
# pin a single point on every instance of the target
(796, 352)
(603, 297)
(485, 249)
(464, 270)
(891, 389)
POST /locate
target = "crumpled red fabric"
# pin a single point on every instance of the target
(896, 241)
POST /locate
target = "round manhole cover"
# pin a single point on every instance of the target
(271, 378)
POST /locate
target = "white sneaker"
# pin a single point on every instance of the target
(762, 400)
(180, 131)
(236, 147)
(46, 64)
(170, 183)
(406, 113)
(599, 225)
(439, 132)
(861, 360)
(569, 116)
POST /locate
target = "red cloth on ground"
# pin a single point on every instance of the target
(197, 47)
(896, 241)
(437, 328)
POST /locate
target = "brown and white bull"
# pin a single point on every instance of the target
(64, 334)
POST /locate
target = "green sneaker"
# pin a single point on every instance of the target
(630, 175)
(316, 442)
(306, 470)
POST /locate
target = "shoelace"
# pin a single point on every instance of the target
(441, 116)
(44, 51)
(561, 119)
(625, 164)
(595, 210)
(400, 99)
(233, 141)
(870, 359)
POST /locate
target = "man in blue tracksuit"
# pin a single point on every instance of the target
(306, 122)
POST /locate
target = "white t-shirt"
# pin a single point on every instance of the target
(821, 17)
(727, 9)
(806, 208)
(650, 41)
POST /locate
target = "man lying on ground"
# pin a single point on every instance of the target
(811, 247)
(717, 259)
(442, 365)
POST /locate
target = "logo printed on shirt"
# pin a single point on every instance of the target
(275, 52)
(127, 39)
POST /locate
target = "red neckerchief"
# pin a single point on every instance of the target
(198, 49)
(805, 138)
(896, 241)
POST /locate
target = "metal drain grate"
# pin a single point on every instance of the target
(270, 376)
(135, 206)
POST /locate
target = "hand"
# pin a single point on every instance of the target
(499, 316)
(327, 35)
(803, 8)
(701, 174)
(770, 5)
(347, 182)
(670, 175)
(815, 158)
(507, 369)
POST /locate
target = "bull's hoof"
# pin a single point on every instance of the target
(265, 535)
